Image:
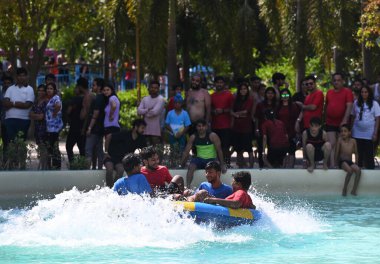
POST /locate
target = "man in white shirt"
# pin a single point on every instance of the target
(18, 100)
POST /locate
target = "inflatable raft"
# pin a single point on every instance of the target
(219, 215)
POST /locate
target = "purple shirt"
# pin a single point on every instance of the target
(107, 110)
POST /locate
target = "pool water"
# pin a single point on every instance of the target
(99, 226)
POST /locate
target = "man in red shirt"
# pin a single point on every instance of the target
(159, 176)
(221, 104)
(313, 105)
(338, 109)
(240, 197)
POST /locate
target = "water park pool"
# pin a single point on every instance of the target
(99, 226)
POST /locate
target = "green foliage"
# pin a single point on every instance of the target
(18, 154)
(79, 163)
(285, 66)
(128, 106)
(369, 33)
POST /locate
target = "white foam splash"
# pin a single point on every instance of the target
(289, 217)
(101, 217)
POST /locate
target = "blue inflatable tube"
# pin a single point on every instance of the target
(220, 215)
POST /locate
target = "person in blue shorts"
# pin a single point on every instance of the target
(134, 182)
(213, 187)
(207, 148)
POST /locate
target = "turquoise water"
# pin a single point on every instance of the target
(102, 227)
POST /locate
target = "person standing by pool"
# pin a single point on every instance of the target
(366, 116)
(54, 125)
(213, 187)
(111, 113)
(38, 115)
(135, 181)
(338, 109)
(240, 197)
(346, 146)
(152, 107)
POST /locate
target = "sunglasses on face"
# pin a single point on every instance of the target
(285, 95)
(308, 84)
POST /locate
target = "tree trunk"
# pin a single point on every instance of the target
(300, 45)
(172, 46)
(338, 60)
(367, 63)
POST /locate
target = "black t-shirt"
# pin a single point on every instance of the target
(299, 97)
(74, 117)
(98, 104)
(122, 143)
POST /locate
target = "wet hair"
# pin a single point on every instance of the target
(100, 82)
(82, 82)
(154, 82)
(213, 165)
(21, 70)
(130, 161)
(200, 121)
(148, 152)
(360, 101)
(219, 78)
(49, 76)
(138, 122)
(278, 76)
(244, 178)
(315, 121)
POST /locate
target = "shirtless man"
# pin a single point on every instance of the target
(345, 147)
(198, 102)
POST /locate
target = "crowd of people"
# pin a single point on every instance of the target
(210, 125)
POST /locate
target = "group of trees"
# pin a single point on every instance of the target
(234, 37)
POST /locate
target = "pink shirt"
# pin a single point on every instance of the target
(152, 109)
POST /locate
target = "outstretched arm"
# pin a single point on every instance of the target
(218, 146)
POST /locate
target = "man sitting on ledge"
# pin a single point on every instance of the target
(208, 147)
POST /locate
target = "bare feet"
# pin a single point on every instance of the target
(354, 193)
(344, 192)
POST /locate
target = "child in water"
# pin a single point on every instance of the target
(345, 147)
(239, 198)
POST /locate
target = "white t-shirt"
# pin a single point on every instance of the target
(17, 94)
(364, 128)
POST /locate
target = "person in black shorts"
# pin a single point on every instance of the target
(315, 145)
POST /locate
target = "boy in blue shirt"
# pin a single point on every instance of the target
(134, 182)
(177, 123)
